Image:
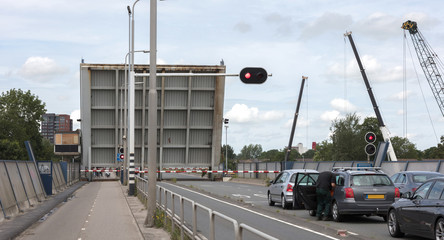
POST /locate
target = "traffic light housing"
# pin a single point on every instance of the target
(121, 150)
(370, 149)
(253, 75)
(370, 137)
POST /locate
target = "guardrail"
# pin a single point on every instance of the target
(165, 196)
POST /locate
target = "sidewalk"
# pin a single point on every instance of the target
(139, 213)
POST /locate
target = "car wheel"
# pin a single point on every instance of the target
(335, 212)
(439, 229)
(393, 225)
(270, 202)
(312, 212)
(283, 202)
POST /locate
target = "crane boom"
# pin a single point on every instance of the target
(427, 59)
(384, 130)
(295, 120)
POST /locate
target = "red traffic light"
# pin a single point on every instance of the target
(370, 137)
(253, 75)
(122, 156)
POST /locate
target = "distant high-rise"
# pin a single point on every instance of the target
(53, 123)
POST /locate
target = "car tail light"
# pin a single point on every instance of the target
(289, 188)
(349, 193)
(397, 193)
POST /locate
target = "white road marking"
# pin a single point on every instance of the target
(240, 195)
(260, 214)
(260, 195)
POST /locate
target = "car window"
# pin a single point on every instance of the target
(293, 178)
(422, 191)
(278, 177)
(340, 180)
(422, 178)
(402, 178)
(307, 179)
(283, 178)
(436, 191)
(394, 177)
(370, 180)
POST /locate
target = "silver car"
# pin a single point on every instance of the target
(281, 188)
(408, 181)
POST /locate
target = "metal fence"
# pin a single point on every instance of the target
(388, 167)
(167, 201)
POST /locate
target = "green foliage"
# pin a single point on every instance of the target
(435, 152)
(404, 149)
(273, 155)
(20, 116)
(231, 156)
(250, 152)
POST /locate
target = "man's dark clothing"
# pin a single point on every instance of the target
(323, 196)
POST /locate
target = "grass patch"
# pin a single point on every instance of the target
(159, 222)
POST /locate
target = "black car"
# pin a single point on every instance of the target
(420, 214)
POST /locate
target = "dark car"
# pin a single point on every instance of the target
(359, 191)
(420, 214)
(408, 181)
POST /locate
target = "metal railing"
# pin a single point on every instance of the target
(165, 196)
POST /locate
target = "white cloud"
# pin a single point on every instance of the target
(329, 116)
(401, 95)
(375, 70)
(327, 22)
(241, 113)
(301, 122)
(41, 69)
(342, 105)
(242, 27)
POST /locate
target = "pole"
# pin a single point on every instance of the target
(152, 118)
(226, 147)
(131, 103)
(295, 120)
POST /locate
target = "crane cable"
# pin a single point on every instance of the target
(422, 92)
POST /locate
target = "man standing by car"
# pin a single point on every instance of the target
(324, 185)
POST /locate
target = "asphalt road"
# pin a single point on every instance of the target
(274, 224)
(254, 199)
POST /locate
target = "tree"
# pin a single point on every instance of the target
(20, 116)
(231, 156)
(324, 151)
(348, 144)
(309, 154)
(251, 151)
(435, 152)
(404, 148)
(273, 155)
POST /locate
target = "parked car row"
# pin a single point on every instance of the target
(411, 201)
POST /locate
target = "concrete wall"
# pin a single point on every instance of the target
(388, 167)
(21, 186)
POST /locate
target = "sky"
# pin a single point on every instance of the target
(42, 44)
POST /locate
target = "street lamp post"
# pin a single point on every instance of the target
(131, 120)
(152, 118)
(226, 147)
